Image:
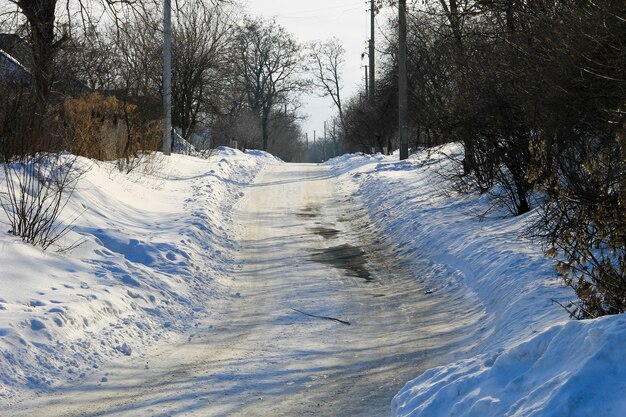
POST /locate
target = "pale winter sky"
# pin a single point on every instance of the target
(346, 20)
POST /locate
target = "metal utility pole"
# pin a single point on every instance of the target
(335, 141)
(324, 142)
(402, 83)
(167, 76)
(367, 93)
(372, 66)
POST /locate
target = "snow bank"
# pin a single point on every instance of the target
(155, 249)
(571, 369)
(515, 284)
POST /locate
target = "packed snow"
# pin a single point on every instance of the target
(154, 250)
(527, 359)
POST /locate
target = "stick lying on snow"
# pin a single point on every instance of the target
(322, 317)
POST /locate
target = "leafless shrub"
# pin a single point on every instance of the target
(37, 189)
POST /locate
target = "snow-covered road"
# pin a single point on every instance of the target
(301, 246)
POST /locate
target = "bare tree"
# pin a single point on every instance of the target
(47, 36)
(139, 57)
(326, 60)
(268, 68)
(202, 38)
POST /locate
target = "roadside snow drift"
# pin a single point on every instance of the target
(527, 359)
(155, 245)
(570, 369)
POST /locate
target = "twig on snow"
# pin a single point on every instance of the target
(323, 317)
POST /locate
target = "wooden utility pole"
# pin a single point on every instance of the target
(402, 82)
(371, 53)
(167, 76)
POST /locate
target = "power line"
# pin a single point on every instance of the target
(327, 17)
(329, 8)
(319, 12)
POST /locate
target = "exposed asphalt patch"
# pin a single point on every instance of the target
(325, 232)
(347, 257)
(309, 212)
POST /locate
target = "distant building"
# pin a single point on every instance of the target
(202, 141)
(18, 48)
(16, 63)
(12, 71)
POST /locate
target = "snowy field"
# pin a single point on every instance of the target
(529, 359)
(155, 252)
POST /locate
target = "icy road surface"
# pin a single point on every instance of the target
(301, 247)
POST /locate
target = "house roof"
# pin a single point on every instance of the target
(8, 60)
(18, 54)
(17, 47)
(12, 70)
(14, 58)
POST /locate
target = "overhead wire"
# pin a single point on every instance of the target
(328, 8)
(307, 13)
(326, 16)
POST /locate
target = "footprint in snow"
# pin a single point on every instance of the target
(37, 325)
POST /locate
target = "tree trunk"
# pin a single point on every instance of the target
(41, 18)
(264, 127)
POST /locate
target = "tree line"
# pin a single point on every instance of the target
(235, 77)
(536, 93)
